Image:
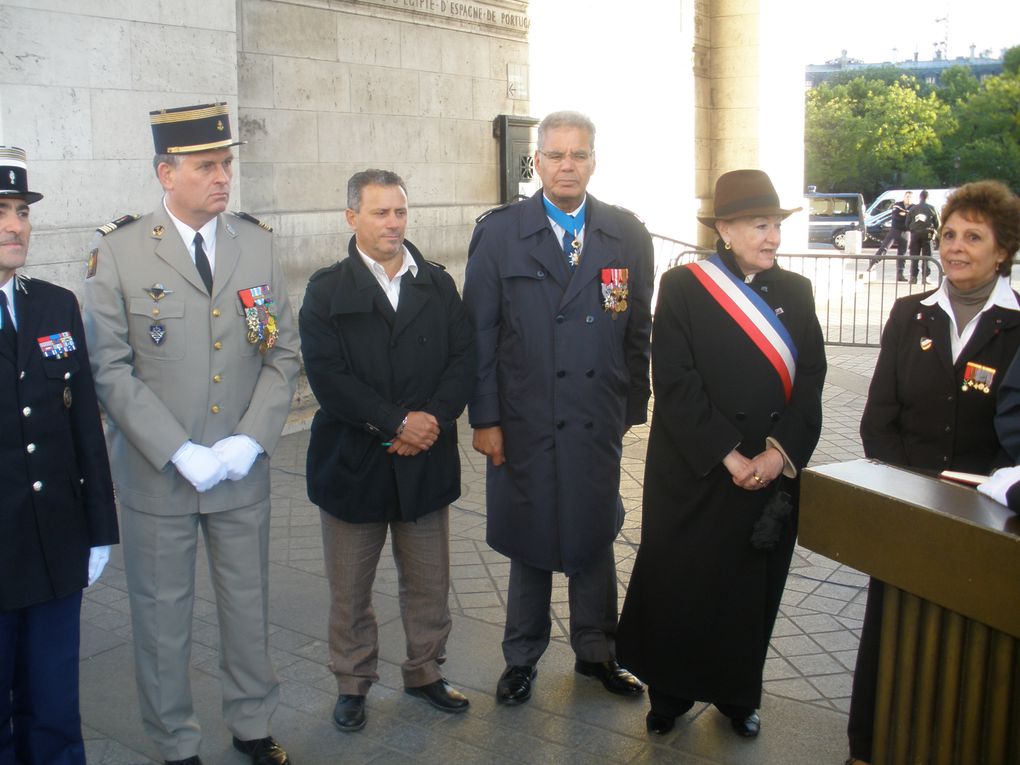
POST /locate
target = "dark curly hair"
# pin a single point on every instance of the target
(993, 203)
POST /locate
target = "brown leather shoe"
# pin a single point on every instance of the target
(349, 712)
(263, 751)
(614, 677)
(441, 695)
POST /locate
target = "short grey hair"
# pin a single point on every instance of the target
(371, 177)
(174, 160)
(566, 119)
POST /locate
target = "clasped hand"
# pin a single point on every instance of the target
(205, 466)
(420, 433)
(755, 473)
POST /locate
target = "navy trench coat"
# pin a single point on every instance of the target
(560, 373)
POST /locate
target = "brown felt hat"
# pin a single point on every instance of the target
(744, 193)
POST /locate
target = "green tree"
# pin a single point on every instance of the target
(1011, 60)
(956, 84)
(867, 134)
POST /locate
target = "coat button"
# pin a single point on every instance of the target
(217, 378)
(215, 409)
(67, 375)
(589, 319)
(422, 340)
(27, 411)
(949, 397)
(155, 312)
(37, 486)
(590, 373)
(589, 425)
(22, 375)
(540, 274)
(217, 345)
(560, 319)
(948, 428)
(560, 424)
(740, 416)
(774, 416)
(216, 313)
(561, 373)
(30, 448)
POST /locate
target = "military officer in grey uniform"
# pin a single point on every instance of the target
(195, 355)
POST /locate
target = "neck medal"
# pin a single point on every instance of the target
(614, 290)
(259, 316)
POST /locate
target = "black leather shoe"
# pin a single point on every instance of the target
(658, 723)
(614, 677)
(441, 695)
(349, 712)
(748, 727)
(186, 761)
(263, 751)
(514, 686)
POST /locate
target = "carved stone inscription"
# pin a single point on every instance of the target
(506, 19)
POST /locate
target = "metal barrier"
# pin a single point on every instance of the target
(853, 293)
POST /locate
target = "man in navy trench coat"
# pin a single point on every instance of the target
(559, 289)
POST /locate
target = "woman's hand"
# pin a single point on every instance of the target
(756, 473)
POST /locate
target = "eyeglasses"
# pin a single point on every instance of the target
(558, 156)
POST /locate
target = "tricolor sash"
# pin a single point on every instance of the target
(752, 315)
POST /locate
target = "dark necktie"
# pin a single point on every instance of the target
(202, 264)
(8, 335)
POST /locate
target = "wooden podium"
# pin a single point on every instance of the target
(949, 666)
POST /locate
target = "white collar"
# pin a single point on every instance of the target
(1002, 296)
(379, 271)
(208, 231)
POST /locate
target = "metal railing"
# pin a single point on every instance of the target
(853, 293)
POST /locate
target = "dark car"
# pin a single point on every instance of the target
(831, 216)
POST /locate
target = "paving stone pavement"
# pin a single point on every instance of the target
(569, 719)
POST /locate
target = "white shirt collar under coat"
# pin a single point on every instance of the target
(1002, 296)
(208, 232)
(8, 289)
(391, 287)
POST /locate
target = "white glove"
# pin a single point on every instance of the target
(1000, 482)
(200, 465)
(238, 453)
(98, 557)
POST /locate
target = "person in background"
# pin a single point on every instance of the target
(559, 289)
(57, 515)
(195, 355)
(897, 235)
(738, 364)
(932, 401)
(922, 223)
(389, 353)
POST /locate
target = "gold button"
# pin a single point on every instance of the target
(215, 311)
(215, 409)
(155, 312)
(216, 378)
(217, 345)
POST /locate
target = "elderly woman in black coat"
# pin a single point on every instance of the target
(932, 401)
(738, 364)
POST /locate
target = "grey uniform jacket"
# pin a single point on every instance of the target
(203, 381)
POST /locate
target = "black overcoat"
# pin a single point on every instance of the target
(57, 493)
(702, 601)
(368, 366)
(561, 375)
(918, 415)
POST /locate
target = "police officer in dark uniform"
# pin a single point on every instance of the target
(57, 517)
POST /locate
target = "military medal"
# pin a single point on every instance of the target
(978, 376)
(67, 397)
(614, 290)
(157, 232)
(925, 343)
(93, 264)
(157, 292)
(158, 333)
(58, 346)
(259, 316)
(574, 256)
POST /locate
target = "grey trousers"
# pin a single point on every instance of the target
(593, 611)
(421, 550)
(159, 560)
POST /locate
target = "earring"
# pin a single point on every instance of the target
(726, 245)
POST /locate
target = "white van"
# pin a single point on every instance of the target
(878, 219)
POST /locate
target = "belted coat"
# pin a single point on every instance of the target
(57, 494)
(562, 374)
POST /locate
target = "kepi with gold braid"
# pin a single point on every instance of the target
(187, 129)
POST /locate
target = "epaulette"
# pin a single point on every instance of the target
(630, 212)
(252, 219)
(440, 266)
(323, 271)
(113, 225)
(503, 206)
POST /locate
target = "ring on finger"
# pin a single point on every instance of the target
(757, 478)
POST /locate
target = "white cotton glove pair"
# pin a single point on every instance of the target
(204, 466)
(999, 483)
(98, 556)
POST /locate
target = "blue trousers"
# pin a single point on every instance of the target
(39, 719)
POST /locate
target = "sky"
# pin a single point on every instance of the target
(894, 31)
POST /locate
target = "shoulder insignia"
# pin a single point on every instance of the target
(503, 206)
(252, 219)
(113, 225)
(629, 212)
(440, 266)
(323, 271)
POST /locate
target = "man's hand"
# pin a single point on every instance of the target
(400, 447)
(199, 465)
(237, 453)
(489, 441)
(420, 431)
